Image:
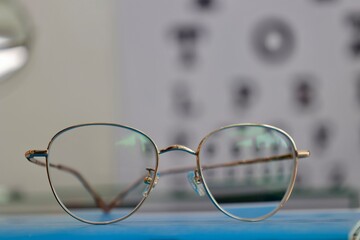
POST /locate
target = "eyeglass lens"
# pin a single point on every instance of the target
(102, 168)
(252, 169)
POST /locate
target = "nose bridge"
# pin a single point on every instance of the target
(177, 147)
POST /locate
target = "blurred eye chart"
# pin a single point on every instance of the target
(188, 67)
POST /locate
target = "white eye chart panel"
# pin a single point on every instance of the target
(188, 67)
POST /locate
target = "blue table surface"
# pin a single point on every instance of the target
(287, 224)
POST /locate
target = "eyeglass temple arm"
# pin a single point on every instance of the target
(30, 156)
(299, 154)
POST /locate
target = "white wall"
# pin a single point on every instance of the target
(68, 80)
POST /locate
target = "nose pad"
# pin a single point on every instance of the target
(196, 182)
(148, 179)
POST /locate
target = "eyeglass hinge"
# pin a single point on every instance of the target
(303, 153)
(36, 153)
(32, 154)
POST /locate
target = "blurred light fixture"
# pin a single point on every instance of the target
(14, 38)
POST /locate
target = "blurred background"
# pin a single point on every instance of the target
(178, 70)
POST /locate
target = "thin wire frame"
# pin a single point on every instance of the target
(288, 190)
(31, 154)
(100, 124)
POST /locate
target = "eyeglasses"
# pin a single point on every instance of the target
(247, 170)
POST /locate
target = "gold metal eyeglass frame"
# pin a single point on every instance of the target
(151, 178)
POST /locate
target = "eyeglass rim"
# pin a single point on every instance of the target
(288, 190)
(99, 124)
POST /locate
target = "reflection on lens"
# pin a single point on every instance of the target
(252, 171)
(97, 171)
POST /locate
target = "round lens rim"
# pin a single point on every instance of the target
(99, 124)
(288, 190)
